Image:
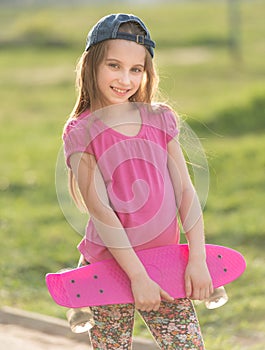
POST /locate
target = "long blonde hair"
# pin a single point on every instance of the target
(89, 94)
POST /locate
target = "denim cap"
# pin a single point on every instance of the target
(107, 28)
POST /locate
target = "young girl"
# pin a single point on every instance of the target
(128, 170)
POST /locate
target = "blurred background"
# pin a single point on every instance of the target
(210, 57)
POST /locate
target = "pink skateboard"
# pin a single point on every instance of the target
(105, 282)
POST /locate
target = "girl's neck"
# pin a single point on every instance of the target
(122, 107)
(124, 118)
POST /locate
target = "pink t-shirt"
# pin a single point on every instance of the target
(136, 177)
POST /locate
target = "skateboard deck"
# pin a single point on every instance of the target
(104, 282)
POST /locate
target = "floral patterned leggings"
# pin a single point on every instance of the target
(174, 326)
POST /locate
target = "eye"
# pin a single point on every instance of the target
(137, 70)
(114, 65)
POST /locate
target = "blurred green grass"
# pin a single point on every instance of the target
(222, 100)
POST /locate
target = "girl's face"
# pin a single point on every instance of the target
(120, 73)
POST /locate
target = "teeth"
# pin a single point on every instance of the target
(119, 90)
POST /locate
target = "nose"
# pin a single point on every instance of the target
(124, 78)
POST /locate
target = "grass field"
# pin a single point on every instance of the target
(223, 100)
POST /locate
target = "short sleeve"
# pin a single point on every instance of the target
(170, 120)
(76, 138)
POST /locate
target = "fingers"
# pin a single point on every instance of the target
(197, 292)
(208, 290)
(188, 287)
(154, 305)
(211, 288)
(165, 296)
(147, 306)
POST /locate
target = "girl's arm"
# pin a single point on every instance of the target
(197, 277)
(146, 292)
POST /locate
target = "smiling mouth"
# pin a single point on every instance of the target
(120, 91)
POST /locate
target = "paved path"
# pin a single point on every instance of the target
(31, 331)
(13, 337)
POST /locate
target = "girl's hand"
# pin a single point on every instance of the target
(198, 282)
(147, 293)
